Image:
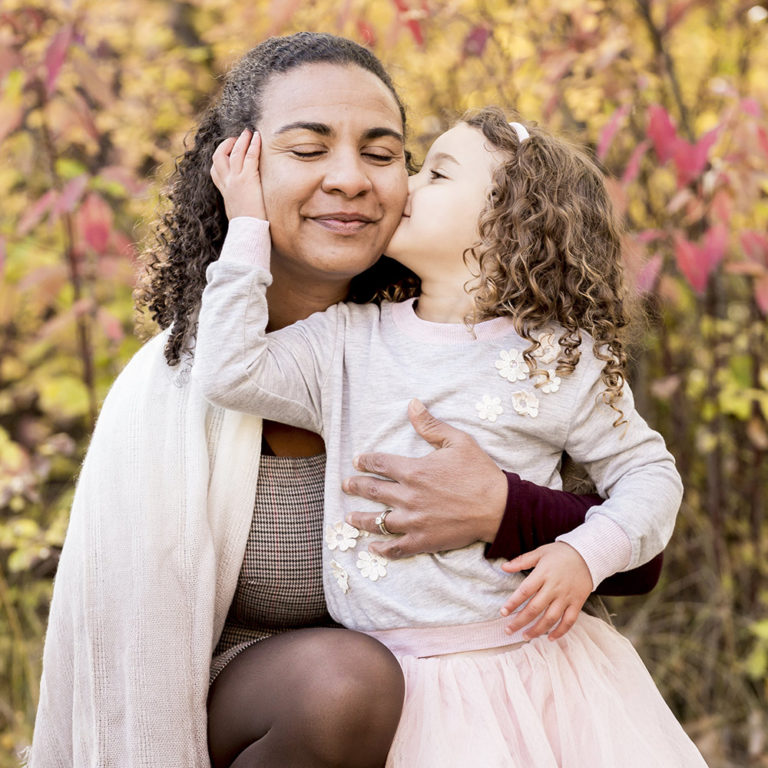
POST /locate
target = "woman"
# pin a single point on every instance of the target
(165, 557)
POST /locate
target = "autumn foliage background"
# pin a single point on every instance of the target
(96, 97)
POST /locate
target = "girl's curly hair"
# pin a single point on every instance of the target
(550, 249)
(189, 236)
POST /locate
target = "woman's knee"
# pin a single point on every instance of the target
(334, 696)
(355, 700)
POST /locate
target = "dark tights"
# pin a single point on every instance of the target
(310, 698)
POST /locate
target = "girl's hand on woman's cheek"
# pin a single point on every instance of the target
(235, 172)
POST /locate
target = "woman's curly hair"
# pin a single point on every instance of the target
(189, 236)
(550, 249)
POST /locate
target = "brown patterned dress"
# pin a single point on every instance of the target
(280, 586)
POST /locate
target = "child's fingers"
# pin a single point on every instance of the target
(254, 148)
(530, 586)
(568, 620)
(523, 562)
(548, 619)
(251, 160)
(237, 155)
(530, 612)
(220, 160)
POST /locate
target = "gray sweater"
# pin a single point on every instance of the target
(348, 373)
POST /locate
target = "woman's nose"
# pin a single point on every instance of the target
(348, 175)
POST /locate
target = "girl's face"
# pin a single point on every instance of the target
(332, 170)
(445, 200)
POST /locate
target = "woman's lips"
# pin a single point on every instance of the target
(343, 223)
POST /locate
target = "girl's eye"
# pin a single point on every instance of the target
(436, 175)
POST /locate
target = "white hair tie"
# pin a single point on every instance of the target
(521, 131)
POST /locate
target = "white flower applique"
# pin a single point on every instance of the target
(489, 408)
(373, 567)
(511, 365)
(552, 384)
(341, 576)
(548, 348)
(526, 403)
(341, 536)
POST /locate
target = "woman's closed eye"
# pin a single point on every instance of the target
(378, 157)
(306, 153)
(433, 175)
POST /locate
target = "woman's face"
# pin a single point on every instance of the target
(332, 169)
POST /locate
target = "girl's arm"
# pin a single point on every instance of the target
(630, 466)
(237, 364)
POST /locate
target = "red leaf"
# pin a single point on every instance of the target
(646, 279)
(762, 138)
(697, 262)
(633, 166)
(691, 159)
(649, 235)
(715, 243)
(94, 220)
(755, 245)
(722, 206)
(71, 194)
(475, 41)
(412, 23)
(662, 132)
(366, 32)
(55, 55)
(33, 215)
(751, 107)
(609, 131)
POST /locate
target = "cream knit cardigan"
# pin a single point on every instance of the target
(155, 543)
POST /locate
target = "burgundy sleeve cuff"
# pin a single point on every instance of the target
(536, 515)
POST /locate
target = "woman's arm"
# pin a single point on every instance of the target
(535, 515)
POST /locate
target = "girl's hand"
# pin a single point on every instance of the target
(235, 172)
(557, 586)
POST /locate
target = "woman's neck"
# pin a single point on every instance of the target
(293, 300)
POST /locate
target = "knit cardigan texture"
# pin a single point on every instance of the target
(155, 542)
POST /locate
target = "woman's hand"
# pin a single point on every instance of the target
(448, 499)
(558, 586)
(235, 172)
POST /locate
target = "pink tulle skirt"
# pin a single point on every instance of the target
(585, 700)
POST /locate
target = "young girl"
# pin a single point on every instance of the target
(515, 336)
